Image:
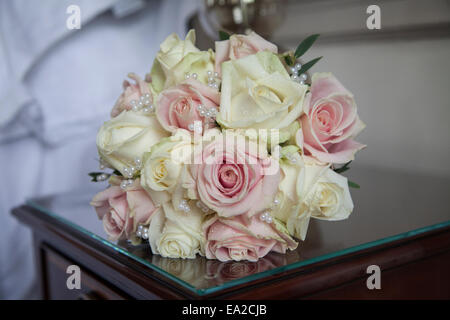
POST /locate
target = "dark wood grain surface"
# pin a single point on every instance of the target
(416, 267)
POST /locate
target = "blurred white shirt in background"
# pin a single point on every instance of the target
(57, 86)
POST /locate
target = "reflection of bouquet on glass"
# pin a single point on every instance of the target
(189, 270)
(232, 270)
(227, 154)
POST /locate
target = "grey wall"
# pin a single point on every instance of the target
(400, 75)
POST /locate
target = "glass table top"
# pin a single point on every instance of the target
(389, 206)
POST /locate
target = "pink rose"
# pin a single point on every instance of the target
(122, 211)
(240, 46)
(235, 176)
(178, 107)
(238, 239)
(330, 121)
(131, 92)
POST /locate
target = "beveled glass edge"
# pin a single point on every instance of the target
(111, 245)
(253, 277)
(327, 256)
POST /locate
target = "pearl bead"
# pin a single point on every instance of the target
(209, 73)
(194, 76)
(216, 74)
(147, 95)
(294, 77)
(142, 98)
(303, 76)
(210, 79)
(191, 126)
(199, 107)
(297, 66)
(187, 76)
(293, 70)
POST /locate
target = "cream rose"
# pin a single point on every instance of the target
(258, 93)
(163, 165)
(324, 195)
(291, 172)
(123, 139)
(176, 58)
(175, 233)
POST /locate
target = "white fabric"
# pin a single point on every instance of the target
(56, 88)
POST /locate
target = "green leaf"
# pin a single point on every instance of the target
(305, 45)
(344, 168)
(289, 61)
(308, 65)
(223, 35)
(94, 174)
(117, 172)
(352, 184)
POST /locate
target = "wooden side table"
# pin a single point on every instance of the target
(410, 246)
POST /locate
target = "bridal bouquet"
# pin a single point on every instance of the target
(226, 153)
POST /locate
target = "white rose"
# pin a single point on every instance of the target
(175, 58)
(257, 92)
(123, 139)
(287, 198)
(175, 233)
(324, 195)
(162, 166)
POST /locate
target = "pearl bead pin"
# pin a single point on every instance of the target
(213, 79)
(202, 206)
(125, 183)
(184, 206)
(266, 217)
(102, 177)
(295, 76)
(143, 104)
(142, 232)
